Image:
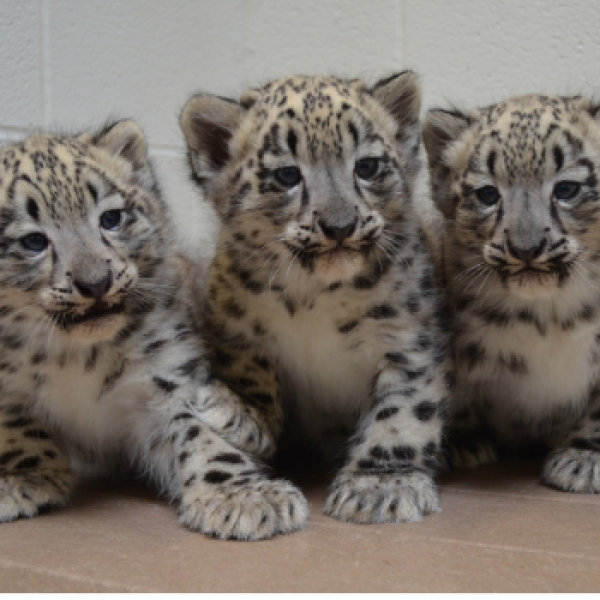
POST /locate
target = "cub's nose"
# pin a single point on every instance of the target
(337, 233)
(94, 289)
(527, 254)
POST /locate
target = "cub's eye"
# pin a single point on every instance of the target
(488, 195)
(566, 190)
(366, 168)
(34, 242)
(288, 176)
(111, 219)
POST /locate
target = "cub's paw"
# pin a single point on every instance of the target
(28, 494)
(238, 424)
(573, 470)
(388, 498)
(468, 454)
(255, 511)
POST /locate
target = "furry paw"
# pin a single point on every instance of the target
(237, 424)
(28, 494)
(388, 498)
(256, 511)
(573, 470)
(468, 454)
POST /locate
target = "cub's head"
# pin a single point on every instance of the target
(310, 173)
(81, 231)
(517, 183)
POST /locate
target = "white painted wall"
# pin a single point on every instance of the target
(69, 64)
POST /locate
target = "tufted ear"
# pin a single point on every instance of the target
(208, 123)
(440, 129)
(126, 140)
(400, 95)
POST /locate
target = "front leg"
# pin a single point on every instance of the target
(249, 418)
(34, 473)
(468, 445)
(389, 475)
(574, 466)
(222, 491)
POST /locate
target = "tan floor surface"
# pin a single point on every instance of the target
(499, 530)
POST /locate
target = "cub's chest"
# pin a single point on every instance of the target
(326, 352)
(539, 372)
(92, 406)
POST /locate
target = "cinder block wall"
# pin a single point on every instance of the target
(68, 64)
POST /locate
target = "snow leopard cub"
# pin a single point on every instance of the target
(101, 357)
(517, 184)
(321, 303)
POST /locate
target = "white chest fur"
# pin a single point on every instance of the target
(558, 374)
(325, 374)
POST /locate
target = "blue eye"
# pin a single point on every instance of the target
(288, 176)
(366, 168)
(566, 190)
(488, 195)
(34, 242)
(111, 219)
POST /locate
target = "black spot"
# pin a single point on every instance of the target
(413, 304)
(217, 477)
(154, 346)
(474, 353)
(38, 434)
(425, 410)
(379, 453)
(49, 453)
(189, 481)
(233, 309)
(183, 457)
(292, 141)
(32, 209)
(404, 452)
(559, 157)
(228, 457)
(386, 413)
(8, 456)
(180, 416)
(367, 465)
(398, 358)
(187, 368)
(17, 423)
(491, 162)
(348, 327)
(382, 311)
(192, 433)
(38, 358)
(28, 463)
(430, 449)
(164, 384)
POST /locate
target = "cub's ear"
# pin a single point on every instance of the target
(126, 140)
(208, 123)
(400, 95)
(440, 129)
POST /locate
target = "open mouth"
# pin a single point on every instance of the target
(94, 312)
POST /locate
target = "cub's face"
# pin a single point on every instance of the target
(317, 171)
(518, 185)
(79, 231)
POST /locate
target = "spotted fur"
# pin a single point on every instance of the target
(101, 358)
(517, 185)
(321, 304)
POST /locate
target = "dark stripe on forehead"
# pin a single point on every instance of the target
(353, 132)
(491, 162)
(559, 157)
(292, 141)
(33, 209)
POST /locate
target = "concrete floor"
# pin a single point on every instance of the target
(499, 531)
